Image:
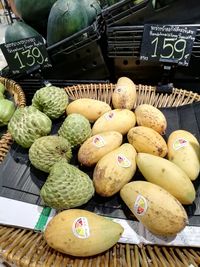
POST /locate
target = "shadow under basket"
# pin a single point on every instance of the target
(15, 93)
(25, 248)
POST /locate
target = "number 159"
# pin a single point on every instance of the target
(170, 47)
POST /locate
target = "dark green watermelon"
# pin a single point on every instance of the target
(35, 13)
(18, 31)
(93, 9)
(66, 18)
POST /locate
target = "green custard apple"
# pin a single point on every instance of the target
(66, 187)
(76, 129)
(27, 124)
(47, 150)
(51, 100)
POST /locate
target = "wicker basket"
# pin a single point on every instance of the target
(27, 248)
(16, 93)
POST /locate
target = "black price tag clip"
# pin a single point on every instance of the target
(169, 68)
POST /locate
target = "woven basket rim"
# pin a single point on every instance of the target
(172, 98)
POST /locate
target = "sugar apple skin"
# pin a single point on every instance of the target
(47, 150)
(27, 124)
(76, 129)
(66, 187)
(51, 100)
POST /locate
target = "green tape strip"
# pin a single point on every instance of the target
(43, 219)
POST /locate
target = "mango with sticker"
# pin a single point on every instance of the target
(184, 151)
(120, 120)
(97, 146)
(114, 170)
(124, 95)
(155, 208)
(81, 233)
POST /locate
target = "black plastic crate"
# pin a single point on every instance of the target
(168, 11)
(79, 56)
(123, 46)
(79, 39)
(118, 12)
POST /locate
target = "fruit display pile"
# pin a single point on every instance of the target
(113, 141)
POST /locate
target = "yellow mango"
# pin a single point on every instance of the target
(95, 147)
(168, 175)
(184, 151)
(114, 170)
(154, 207)
(124, 95)
(147, 140)
(92, 109)
(150, 116)
(81, 233)
(120, 120)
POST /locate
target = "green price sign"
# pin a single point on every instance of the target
(26, 54)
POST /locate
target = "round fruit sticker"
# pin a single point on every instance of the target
(120, 88)
(122, 161)
(80, 228)
(140, 206)
(98, 141)
(109, 116)
(180, 142)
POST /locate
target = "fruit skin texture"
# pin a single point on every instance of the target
(97, 146)
(124, 95)
(167, 175)
(76, 129)
(146, 140)
(149, 116)
(92, 109)
(120, 120)
(27, 124)
(51, 100)
(100, 233)
(66, 187)
(1, 95)
(2, 88)
(48, 150)
(161, 213)
(111, 174)
(187, 156)
(93, 9)
(65, 18)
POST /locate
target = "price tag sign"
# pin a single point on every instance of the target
(26, 54)
(168, 43)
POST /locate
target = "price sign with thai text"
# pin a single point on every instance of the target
(168, 43)
(26, 54)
